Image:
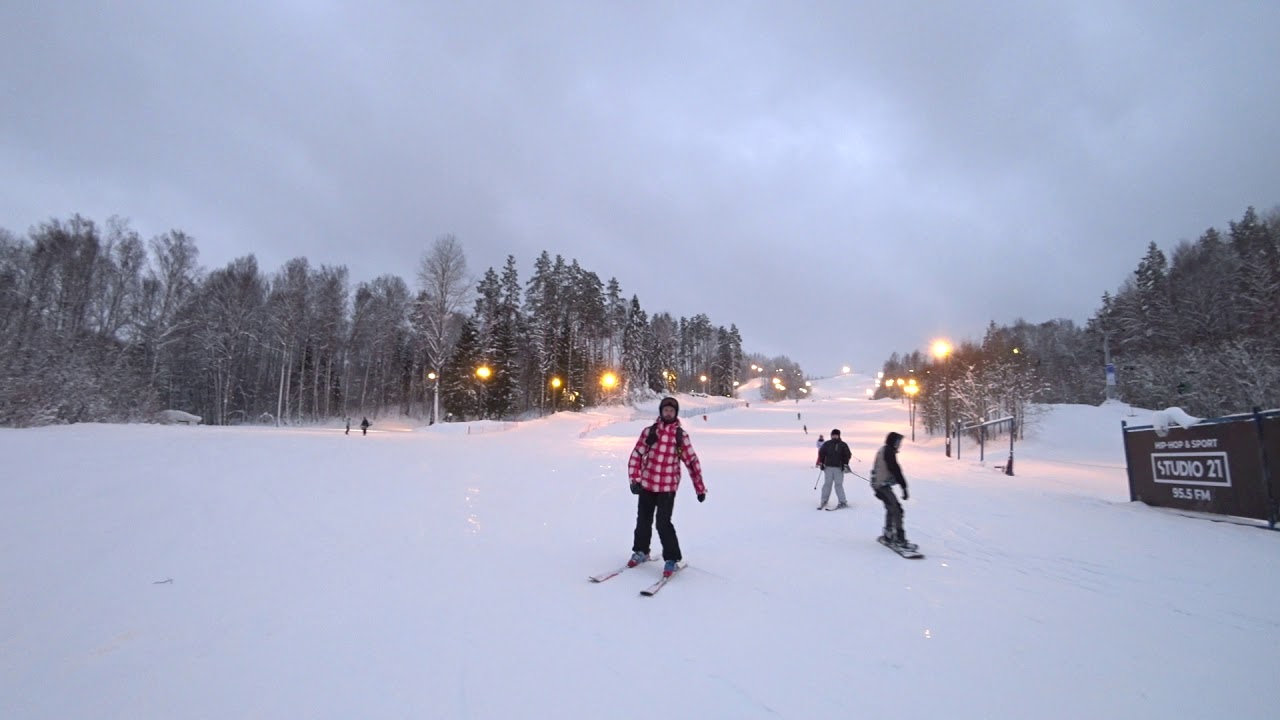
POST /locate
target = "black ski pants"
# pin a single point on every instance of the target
(892, 514)
(663, 503)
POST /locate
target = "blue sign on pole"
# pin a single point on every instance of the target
(1111, 374)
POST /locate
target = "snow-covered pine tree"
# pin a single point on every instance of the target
(635, 349)
(459, 387)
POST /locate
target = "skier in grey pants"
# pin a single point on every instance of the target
(833, 458)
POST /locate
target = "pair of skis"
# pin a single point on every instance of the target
(647, 592)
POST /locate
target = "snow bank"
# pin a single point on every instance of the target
(1162, 420)
(175, 417)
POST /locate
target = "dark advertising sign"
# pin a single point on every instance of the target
(1215, 466)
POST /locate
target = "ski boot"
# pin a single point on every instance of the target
(637, 558)
(669, 568)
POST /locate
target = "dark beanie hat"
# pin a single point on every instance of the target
(835, 433)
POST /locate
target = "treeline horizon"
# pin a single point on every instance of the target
(97, 325)
(1197, 329)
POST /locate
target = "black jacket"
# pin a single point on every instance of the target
(834, 452)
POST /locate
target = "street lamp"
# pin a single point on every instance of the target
(911, 391)
(608, 381)
(435, 401)
(942, 351)
(703, 378)
(555, 393)
(483, 372)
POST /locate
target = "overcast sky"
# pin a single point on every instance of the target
(839, 179)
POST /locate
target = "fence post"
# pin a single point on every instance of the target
(1008, 467)
(1266, 469)
(1128, 464)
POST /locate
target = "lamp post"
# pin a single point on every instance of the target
(911, 391)
(483, 372)
(555, 393)
(942, 351)
(703, 378)
(608, 381)
(435, 402)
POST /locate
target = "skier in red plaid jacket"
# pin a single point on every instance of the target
(654, 469)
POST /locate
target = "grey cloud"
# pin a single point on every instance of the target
(897, 170)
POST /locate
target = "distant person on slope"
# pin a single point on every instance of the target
(364, 426)
(654, 470)
(833, 458)
(818, 462)
(885, 473)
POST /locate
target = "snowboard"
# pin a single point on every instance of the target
(908, 554)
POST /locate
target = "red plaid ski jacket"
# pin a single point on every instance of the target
(657, 469)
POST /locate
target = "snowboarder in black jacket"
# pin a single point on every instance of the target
(886, 473)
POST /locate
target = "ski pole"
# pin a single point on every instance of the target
(815, 482)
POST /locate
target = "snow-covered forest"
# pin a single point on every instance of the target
(98, 325)
(1198, 329)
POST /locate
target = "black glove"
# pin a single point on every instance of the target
(635, 488)
(702, 497)
(847, 469)
(821, 466)
(905, 495)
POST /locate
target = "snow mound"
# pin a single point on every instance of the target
(175, 417)
(1162, 420)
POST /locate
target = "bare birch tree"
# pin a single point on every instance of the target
(442, 277)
